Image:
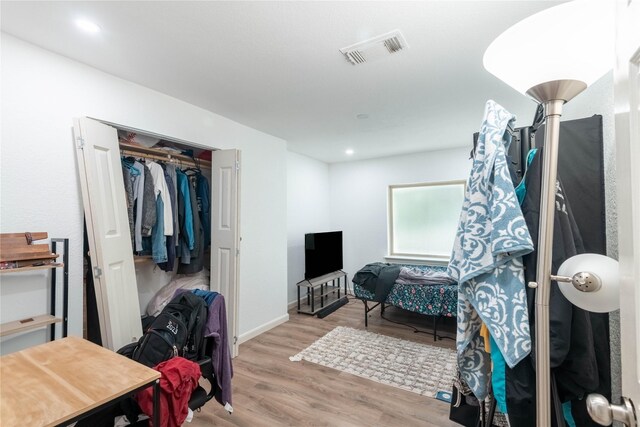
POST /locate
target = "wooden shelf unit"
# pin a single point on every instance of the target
(50, 319)
(32, 267)
(27, 324)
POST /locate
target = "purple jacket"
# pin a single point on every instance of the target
(216, 328)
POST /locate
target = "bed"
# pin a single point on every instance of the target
(433, 300)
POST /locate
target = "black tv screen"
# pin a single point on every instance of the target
(322, 253)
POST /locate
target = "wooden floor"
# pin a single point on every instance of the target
(270, 390)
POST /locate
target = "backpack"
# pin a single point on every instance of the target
(192, 310)
(177, 331)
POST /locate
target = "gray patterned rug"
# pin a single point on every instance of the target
(419, 368)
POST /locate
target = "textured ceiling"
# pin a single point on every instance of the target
(275, 66)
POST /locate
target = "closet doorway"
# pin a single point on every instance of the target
(117, 290)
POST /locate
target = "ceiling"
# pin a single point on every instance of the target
(276, 66)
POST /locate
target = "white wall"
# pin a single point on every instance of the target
(41, 93)
(358, 199)
(307, 210)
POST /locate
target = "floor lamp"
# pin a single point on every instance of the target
(570, 47)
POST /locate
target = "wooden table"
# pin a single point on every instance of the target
(64, 380)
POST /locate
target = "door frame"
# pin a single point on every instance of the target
(627, 128)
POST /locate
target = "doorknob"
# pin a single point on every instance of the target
(604, 413)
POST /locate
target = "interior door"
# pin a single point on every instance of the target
(225, 235)
(627, 118)
(100, 173)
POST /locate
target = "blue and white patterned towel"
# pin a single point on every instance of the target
(486, 261)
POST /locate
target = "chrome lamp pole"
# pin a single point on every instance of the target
(552, 95)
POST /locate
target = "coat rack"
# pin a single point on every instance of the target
(574, 49)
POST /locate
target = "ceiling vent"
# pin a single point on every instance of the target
(375, 48)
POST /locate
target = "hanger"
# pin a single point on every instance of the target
(538, 118)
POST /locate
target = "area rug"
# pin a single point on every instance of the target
(419, 368)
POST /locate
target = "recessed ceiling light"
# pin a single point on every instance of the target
(87, 26)
(348, 152)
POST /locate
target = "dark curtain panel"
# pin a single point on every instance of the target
(581, 168)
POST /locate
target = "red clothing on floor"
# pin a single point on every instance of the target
(179, 379)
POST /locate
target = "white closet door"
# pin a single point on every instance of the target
(225, 253)
(104, 198)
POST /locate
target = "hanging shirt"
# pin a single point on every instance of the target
(486, 260)
(138, 197)
(521, 189)
(160, 188)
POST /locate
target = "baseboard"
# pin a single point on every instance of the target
(292, 305)
(263, 328)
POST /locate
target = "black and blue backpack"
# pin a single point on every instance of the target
(177, 331)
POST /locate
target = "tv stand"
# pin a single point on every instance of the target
(329, 289)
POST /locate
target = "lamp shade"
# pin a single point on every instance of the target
(572, 41)
(602, 300)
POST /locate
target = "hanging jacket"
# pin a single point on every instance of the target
(486, 259)
(171, 170)
(128, 190)
(572, 355)
(149, 216)
(179, 379)
(216, 328)
(185, 218)
(203, 192)
(377, 277)
(138, 197)
(196, 255)
(170, 240)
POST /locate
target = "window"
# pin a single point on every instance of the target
(423, 219)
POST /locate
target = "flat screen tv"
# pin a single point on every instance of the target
(322, 253)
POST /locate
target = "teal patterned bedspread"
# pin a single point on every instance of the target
(433, 300)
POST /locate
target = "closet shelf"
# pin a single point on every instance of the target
(28, 324)
(162, 155)
(32, 267)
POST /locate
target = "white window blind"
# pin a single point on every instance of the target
(423, 219)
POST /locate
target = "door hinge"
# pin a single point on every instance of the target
(237, 165)
(80, 142)
(235, 340)
(237, 252)
(97, 272)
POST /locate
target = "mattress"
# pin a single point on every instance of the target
(433, 300)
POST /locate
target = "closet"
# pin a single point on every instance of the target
(118, 291)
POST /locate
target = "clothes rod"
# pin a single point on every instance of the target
(162, 156)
